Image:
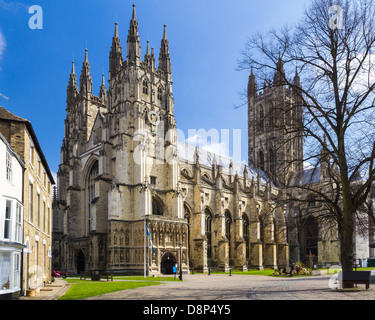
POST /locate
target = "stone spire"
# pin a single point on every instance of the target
(103, 90)
(297, 79)
(164, 56)
(279, 77)
(133, 43)
(72, 90)
(115, 55)
(150, 57)
(252, 85)
(85, 80)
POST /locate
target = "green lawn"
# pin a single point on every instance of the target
(81, 289)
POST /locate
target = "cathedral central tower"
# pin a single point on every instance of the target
(274, 127)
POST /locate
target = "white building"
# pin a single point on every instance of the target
(11, 221)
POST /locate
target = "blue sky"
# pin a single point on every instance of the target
(205, 37)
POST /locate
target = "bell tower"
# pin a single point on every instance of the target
(274, 126)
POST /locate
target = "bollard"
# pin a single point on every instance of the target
(209, 271)
(230, 272)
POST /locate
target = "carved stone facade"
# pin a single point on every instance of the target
(122, 166)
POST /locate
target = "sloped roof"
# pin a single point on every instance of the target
(8, 116)
(187, 152)
(306, 177)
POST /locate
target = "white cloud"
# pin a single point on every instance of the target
(307, 165)
(12, 6)
(54, 175)
(200, 140)
(3, 44)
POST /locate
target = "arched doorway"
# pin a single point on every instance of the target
(308, 237)
(80, 262)
(167, 263)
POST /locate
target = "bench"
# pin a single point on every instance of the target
(108, 275)
(355, 277)
(84, 275)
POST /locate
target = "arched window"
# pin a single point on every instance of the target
(228, 224)
(145, 86)
(310, 236)
(187, 216)
(157, 207)
(261, 119)
(245, 228)
(272, 163)
(209, 233)
(160, 93)
(94, 172)
(271, 116)
(261, 160)
(312, 202)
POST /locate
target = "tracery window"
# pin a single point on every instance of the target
(157, 208)
(91, 189)
(272, 163)
(245, 227)
(209, 233)
(187, 217)
(261, 160)
(261, 119)
(145, 86)
(228, 224)
(160, 93)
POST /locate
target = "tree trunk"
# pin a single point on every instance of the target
(347, 247)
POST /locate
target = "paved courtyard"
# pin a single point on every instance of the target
(237, 287)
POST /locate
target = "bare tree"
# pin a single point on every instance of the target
(332, 47)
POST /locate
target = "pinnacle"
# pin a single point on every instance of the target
(134, 18)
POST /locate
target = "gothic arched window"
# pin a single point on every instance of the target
(209, 233)
(228, 224)
(145, 86)
(272, 163)
(187, 217)
(245, 228)
(311, 202)
(310, 234)
(157, 207)
(94, 172)
(160, 93)
(271, 116)
(261, 160)
(261, 119)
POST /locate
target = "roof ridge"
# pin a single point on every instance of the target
(6, 114)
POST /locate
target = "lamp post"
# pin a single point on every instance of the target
(180, 261)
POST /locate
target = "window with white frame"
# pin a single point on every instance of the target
(38, 210)
(4, 270)
(8, 220)
(44, 215)
(31, 187)
(31, 155)
(19, 223)
(17, 270)
(9, 167)
(38, 167)
(48, 218)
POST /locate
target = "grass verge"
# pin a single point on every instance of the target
(81, 289)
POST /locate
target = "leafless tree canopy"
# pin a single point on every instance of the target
(332, 48)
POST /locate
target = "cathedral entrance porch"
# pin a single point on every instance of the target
(167, 263)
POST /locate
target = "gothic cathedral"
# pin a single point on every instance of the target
(122, 168)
